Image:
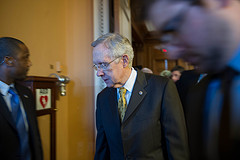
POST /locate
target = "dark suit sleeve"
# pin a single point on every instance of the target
(102, 149)
(173, 123)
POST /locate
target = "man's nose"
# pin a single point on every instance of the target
(99, 72)
(29, 64)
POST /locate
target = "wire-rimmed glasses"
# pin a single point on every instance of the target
(103, 65)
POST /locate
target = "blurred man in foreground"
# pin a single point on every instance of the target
(206, 33)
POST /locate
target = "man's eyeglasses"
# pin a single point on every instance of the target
(2, 62)
(103, 65)
(4, 58)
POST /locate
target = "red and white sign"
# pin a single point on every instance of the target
(43, 98)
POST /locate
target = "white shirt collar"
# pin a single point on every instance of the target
(4, 88)
(234, 62)
(131, 80)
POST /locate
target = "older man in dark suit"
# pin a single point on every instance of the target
(19, 134)
(139, 116)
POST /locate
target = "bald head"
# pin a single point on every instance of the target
(9, 47)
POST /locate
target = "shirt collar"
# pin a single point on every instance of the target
(234, 62)
(4, 88)
(131, 80)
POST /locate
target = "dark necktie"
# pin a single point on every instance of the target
(20, 126)
(226, 144)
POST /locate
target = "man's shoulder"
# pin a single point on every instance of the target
(152, 82)
(105, 91)
(20, 85)
(156, 78)
(190, 74)
(22, 88)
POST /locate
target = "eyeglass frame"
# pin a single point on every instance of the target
(103, 65)
(4, 59)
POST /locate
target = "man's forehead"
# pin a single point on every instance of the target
(22, 51)
(24, 48)
(100, 50)
(100, 53)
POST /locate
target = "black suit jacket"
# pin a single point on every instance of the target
(187, 80)
(9, 142)
(153, 126)
(195, 117)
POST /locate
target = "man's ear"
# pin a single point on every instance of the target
(125, 59)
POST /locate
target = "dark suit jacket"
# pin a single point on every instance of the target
(187, 80)
(153, 127)
(9, 142)
(195, 117)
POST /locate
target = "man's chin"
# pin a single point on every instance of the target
(109, 85)
(22, 78)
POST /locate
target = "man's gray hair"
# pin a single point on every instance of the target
(117, 45)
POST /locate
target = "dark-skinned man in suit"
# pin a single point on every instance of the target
(19, 133)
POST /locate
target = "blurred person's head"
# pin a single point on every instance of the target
(14, 60)
(204, 33)
(146, 70)
(166, 73)
(176, 73)
(112, 59)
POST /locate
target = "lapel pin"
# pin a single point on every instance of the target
(26, 96)
(140, 93)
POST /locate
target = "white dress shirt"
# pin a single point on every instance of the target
(7, 97)
(129, 85)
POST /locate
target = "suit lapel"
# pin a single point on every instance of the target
(137, 96)
(26, 105)
(196, 100)
(111, 118)
(195, 114)
(24, 98)
(113, 104)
